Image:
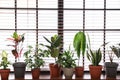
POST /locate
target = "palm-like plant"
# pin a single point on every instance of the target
(94, 57)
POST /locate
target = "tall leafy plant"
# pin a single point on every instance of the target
(94, 57)
(79, 43)
(54, 46)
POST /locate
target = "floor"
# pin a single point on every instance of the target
(47, 76)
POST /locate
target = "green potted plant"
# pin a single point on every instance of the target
(19, 67)
(34, 61)
(53, 50)
(95, 69)
(111, 67)
(68, 63)
(80, 45)
(4, 63)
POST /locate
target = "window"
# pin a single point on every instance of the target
(38, 18)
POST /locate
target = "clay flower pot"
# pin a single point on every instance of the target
(95, 72)
(4, 74)
(79, 72)
(35, 73)
(55, 70)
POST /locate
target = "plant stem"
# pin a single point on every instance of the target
(78, 61)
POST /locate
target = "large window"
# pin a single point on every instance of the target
(38, 18)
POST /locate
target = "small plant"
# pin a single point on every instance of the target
(34, 59)
(54, 46)
(94, 57)
(18, 42)
(116, 51)
(67, 60)
(4, 63)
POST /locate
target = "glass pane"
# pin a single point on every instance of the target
(94, 19)
(113, 3)
(73, 3)
(47, 3)
(26, 19)
(113, 19)
(48, 19)
(7, 19)
(73, 19)
(26, 3)
(6, 3)
(94, 4)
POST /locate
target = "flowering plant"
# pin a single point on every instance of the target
(18, 42)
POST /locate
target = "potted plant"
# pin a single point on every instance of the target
(34, 61)
(95, 69)
(111, 67)
(79, 44)
(53, 50)
(68, 63)
(4, 63)
(19, 67)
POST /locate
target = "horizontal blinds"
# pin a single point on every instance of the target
(71, 20)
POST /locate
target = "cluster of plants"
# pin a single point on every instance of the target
(34, 57)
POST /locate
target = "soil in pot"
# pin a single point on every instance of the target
(55, 70)
(35, 73)
(4, 74)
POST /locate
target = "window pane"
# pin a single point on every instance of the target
(94, 19)
(6, 3)
(73, 19)
(48, 19)
(26, 3)
(26, 19)
(73, 3)
(47, 3)
(94, 4)
(113, 3)
(7, 19)
(113, 19)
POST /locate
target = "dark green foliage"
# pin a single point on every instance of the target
(67, 60)
(54, 46)
(33, 59)
(94, 57)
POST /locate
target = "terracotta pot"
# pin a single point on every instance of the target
(35, 73)
(95, 72)
(55, 70)
(4, 74)
(79, 72)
